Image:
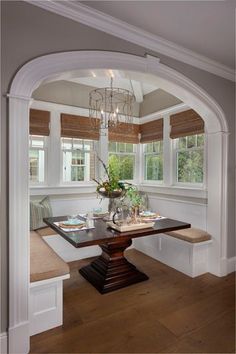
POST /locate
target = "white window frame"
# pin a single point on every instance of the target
(53, 161)
(134, 153)
(146, 181)
(74, 183)
(45, 149)
(175, 151)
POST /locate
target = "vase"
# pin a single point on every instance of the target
(114, 194)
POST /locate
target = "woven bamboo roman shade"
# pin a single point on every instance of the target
(39, 122)
(79, 127)
(186, 123)
(124, 133)
(151, 131)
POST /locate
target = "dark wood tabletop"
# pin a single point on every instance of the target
(101, 234)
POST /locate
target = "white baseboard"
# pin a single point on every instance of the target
(231, 265)
(3, 343)
(228, 265)
(18, 337)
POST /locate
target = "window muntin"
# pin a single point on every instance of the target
(37, 159)
(153, 161)
(78, 160)
(122, 159)
(189, 153)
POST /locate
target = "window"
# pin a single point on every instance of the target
(37, 157)
(189, 152)
(78, 160)
(122, 159)
(153, 161)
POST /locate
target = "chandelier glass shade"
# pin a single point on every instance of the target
(110, 106)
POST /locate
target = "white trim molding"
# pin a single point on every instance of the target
(27, 79)
(3, 343)
(228, 265)
(113, 26)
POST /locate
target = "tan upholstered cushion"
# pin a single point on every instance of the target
(191, 235)
(44, 262)
(46, 231)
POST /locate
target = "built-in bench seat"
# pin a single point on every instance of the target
(46, 231)
(191, 234)
(185, 250)
(47, 272)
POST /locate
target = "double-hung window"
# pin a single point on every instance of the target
(37, 159)
(78, 160)
(189, 157)
(122, 159)
(153, 161)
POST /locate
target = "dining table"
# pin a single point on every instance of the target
(111, 270)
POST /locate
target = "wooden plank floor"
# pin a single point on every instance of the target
(169, 313)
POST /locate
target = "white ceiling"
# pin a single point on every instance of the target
(206, 27)
(102, 78)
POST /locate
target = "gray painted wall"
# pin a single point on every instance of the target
(29, 32)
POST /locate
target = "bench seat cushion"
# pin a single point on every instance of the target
(44, 262)
(190, 235)
(46, 231)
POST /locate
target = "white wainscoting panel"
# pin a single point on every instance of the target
(187, 211)
(191, 259)
(188, 258)
(67, 205)
(68, 252)
(46, 304)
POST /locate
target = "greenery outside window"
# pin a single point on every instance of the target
(37, 158)
(189, 152)
(153, 161)
(78, 160)
(122, 159)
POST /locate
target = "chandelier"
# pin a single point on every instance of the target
(110, 106)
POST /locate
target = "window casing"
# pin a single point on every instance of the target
(37, 159)
(78, 160)
(188, 155)
(153, 161)
(122, 157)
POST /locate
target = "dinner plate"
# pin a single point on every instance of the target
(75, 222)
(147, 214)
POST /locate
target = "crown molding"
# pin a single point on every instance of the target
(108, 24)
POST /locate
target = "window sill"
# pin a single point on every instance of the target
(176, 191)
(63, 189)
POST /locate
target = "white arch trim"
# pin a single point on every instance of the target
(27, 79)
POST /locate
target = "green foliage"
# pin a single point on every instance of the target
(133, 194)
(190, 166)
(122, 165)
(154, 167)
(112, 181)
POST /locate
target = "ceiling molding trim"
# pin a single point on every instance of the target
(106, 23)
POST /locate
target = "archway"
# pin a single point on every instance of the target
(26, 80)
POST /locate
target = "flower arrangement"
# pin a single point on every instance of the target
(111, 187)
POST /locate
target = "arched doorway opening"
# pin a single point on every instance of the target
(25, 82)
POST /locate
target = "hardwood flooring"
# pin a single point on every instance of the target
(169, 313)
